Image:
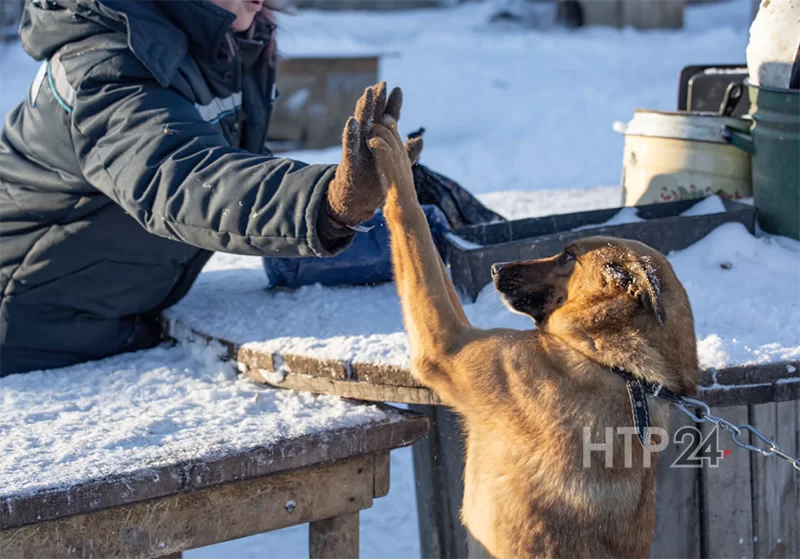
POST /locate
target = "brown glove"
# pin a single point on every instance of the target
(357, 190)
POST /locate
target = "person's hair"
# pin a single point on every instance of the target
(266, 18)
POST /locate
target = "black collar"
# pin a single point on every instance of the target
(638, 390)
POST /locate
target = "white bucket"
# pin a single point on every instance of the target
(678, 156)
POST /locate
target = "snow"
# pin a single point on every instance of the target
(462, 243)
(538, 203)
(749, 310)
(524, 119)
(625, 215)
(144, 410)
(710, 205)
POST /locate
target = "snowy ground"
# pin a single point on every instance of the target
(522, 111)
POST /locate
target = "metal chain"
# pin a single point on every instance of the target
(735, 430)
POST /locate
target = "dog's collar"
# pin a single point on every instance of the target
(638, 390)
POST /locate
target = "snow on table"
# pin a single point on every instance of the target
(744, 291)
(143, 410)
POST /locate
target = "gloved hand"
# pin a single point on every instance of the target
(357, 190)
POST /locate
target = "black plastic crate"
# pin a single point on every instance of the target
(663, 229)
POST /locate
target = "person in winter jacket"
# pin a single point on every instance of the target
(139, 150)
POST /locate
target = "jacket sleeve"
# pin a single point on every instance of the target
(148, 148)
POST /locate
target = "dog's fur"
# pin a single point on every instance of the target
(526, 396)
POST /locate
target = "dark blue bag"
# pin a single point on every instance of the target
(367, 261)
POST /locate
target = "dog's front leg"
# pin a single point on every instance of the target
(435, 321)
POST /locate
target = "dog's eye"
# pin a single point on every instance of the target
(566, 257)
(618, 274)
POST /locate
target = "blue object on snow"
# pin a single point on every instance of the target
(367, 261)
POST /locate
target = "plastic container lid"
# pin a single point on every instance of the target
(698, 127)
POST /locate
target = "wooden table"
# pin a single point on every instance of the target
(323, 479)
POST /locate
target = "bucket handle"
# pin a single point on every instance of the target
(739, 138)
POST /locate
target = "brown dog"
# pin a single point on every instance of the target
(526, 396)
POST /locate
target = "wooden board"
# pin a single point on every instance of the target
(439, 473)
(176, 523)
(738, 385)
(119, 489)
(334, 538)
(727, 497)
(776, 484)
(677, 532)
(753, 384)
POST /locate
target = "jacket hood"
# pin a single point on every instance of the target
(160, 32)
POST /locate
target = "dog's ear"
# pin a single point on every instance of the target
(640, 280)
(650, 288)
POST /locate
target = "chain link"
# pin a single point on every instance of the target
(703, 415)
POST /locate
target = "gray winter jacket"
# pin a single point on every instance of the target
(138, 150)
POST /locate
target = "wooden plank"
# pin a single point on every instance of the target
(148, 483)
(677, 532)
(439, 472)
(180, 522)
(751, 384)
(258, 363)
(725, 387)
(727, 502)
(382, 474)
(349, 389)
(736, 385)
(430, 500)
(370, 373)
(453, 445)
(334, 538)
(776, 484)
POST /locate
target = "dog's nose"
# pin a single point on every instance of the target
(496, 269)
